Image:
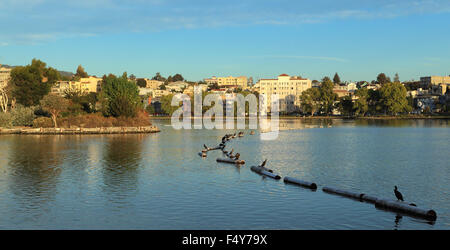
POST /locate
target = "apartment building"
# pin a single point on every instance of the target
(241, 81)
(84, 85)
(288, 88)
(438, 84)
(153, 84)
(434, 80)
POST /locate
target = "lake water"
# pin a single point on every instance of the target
(158, 181)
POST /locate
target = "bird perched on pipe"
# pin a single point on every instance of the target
(398, 194)
(264, 163)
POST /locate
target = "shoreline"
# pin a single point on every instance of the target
(332, 117)
(80, 131)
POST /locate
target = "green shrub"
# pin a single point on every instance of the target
(43, 122)
(5, 120)
(22, 116)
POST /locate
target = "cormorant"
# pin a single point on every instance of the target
(398, 194)
(264, 163)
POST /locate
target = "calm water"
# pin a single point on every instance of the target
(158, 181)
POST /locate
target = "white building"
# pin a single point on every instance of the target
(288, 88)
(177, 86)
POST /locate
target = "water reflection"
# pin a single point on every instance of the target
(121, 161)
(403, 122)
(34, 163)
(397, 221)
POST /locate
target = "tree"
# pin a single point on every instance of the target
(166, 104)
(141, 83)
(336, 79)
(361, 105)
(32, 82)
(396, 78)
(177, 77)
(214, 86)
(80, 101)
(310, 100)
(326, 79)
(393, 97)
(374, 101)
(80, 72)
(119, 96)
(132, 77)
(383, 79)
(158, 77)
(327, 96)
(54, 104)
(345, 105)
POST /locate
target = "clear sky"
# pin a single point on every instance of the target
(258, 38)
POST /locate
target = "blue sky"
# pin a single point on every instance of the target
(258, 38)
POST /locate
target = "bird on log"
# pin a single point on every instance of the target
(398, 194)
(264, 163)
(262, 166)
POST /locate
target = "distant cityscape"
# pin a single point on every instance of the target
(428, 94)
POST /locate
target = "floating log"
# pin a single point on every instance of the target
(386, 204)
(263, 171)
(307, 184)
(345, 193)
(368, 198)
(406, 208)
(210, 149)
(230, 161)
